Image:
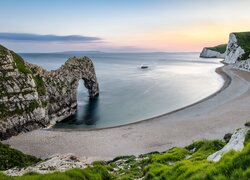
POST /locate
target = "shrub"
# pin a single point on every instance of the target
(10, 158)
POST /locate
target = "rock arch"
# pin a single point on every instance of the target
(31, 97)
(61, 86)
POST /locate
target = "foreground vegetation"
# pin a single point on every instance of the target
(220, 48)
(177, 163)
(10, 158)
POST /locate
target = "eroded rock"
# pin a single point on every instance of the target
(208, 53)
(54, 163)
(234, 51)
(235, 143)
(31, 97)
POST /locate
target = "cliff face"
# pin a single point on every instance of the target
(234, 51)
(238, 50)
(208, 53)
(31, 97)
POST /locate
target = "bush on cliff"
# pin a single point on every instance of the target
(10, 158)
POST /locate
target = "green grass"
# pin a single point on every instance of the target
(220, 48)
(177, 163)
(10, 158)
(247, 137)
(233, 165)
(96, 173)
(20, 63)
(243, 39)
(39, 85)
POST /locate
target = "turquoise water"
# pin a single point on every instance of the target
(129, 94)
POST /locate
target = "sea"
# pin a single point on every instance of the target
(130, 94)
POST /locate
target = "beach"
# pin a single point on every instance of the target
(210, 118)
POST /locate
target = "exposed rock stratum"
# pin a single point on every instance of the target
(31, 97)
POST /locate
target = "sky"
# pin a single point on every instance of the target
(120, 25)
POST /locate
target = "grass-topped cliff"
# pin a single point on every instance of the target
(220, 48)
(236, 51)
(189, 162)
(243, 39)
(31, 97)
(214, 52)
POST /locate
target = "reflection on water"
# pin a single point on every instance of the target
(89, 114)
(86, 114)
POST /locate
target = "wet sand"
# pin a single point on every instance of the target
(220, 113)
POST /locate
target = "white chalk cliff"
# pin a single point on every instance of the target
(208, 53)
(234, 51)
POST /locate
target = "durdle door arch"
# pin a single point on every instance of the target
(31, 97)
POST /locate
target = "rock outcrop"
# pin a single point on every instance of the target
(243, 65)
(237, 51)
(234, 51)
(236, 143)
(31, 97)
(208, 53)
(54, 163)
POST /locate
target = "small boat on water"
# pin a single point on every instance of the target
(144, 66)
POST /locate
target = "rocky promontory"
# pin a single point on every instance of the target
(31, 97)
(238, 50)
(235, 52)
(214, 52)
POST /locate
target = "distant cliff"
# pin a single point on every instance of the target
(31, 97)
(214, 52)
(236, 51)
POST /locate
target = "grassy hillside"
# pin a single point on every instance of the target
(177, 163)
(10, 158)
(244, 41)
(220, 48)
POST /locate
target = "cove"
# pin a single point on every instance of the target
(130, 94)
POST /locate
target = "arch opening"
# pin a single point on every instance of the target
(87, 106)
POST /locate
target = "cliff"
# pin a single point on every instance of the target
(238, 50)
(31, 97)
(214, 52)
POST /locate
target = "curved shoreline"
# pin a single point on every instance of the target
(227, 81)
(225, 111)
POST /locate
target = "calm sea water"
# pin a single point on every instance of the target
(130, 94)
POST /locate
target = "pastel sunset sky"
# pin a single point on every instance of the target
(120, 25)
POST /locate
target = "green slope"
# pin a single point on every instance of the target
(220, 48)
(10, 158)
(177, 163)
(243, 39)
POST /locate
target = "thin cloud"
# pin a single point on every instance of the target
(27, 37)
